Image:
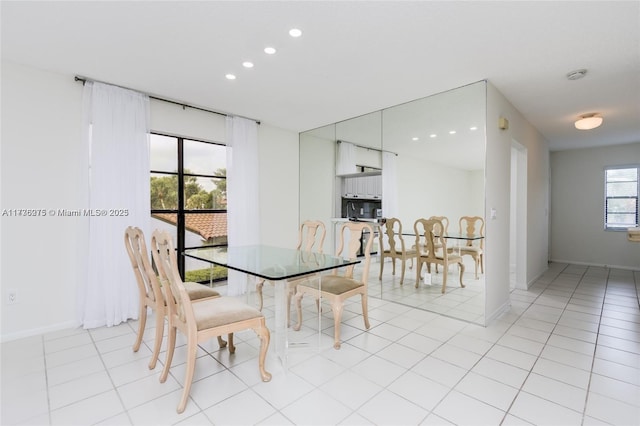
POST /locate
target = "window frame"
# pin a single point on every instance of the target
(607, 226)
(182, 210)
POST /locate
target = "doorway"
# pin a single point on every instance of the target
(518, 217)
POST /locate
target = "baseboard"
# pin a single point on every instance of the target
(536, 278)
(38, 331)
(495, 314)
(600, 265)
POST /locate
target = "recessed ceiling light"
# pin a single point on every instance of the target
(269, 50)
(432, 135)
(452, 132)
(294, 32)
(415, 138)
(230, 77)
(473, 128)
(247, 64)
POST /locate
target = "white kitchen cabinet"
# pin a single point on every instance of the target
(365, 187)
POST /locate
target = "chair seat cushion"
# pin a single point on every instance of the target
(336, 284)
(411, 252)
(221, 311)
(471, 250)
(194, 290)
(199, 291)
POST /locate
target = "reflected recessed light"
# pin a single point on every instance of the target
(247, 64)
(432, 135)
(473, 128)
(230, 77)
(415, 138)
(269, 50)
(294, 32)
(452, 132)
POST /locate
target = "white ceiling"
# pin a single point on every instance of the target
(353, 57)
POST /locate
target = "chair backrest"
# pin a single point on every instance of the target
(445, 224)
(148, 285)
(350, 249)
(392, 229)
(430, 231)
(472, 225)
(311, 231)
(176, 297)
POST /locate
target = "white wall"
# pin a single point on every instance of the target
(40, 163)
(577, 208)
(498, 171)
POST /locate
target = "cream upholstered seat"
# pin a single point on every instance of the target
(309, 233)
(392, 229)
(201, 320)
(430, 230)
(151, 292)
(337, 288)
(473, 225)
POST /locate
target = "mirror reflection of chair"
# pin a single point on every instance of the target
(337, 288)
(443, 231)
(473, 225)
(203, 319)
(309, 233)
(430, 231)
(392, 229)
(150, 291)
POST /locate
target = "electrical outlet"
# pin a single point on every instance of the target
(12, 297)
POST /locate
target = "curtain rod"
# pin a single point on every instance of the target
(368, 147)
(183, 105)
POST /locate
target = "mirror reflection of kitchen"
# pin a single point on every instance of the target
(439, 142)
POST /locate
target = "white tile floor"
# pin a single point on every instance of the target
(568, 353)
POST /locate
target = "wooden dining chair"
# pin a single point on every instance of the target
(442, 231)
(202, 319)
(430, 231)
(473, 225)
(309, 233)
(337, 288)
(151, 292)
(392, 230)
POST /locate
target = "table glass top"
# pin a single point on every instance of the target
(271, 263)
(453, 235)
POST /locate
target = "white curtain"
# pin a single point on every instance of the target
(116, 142)
(346, 159)
(243, 206)
(389, 185)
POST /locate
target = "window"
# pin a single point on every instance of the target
(621, 197)
(188, 188)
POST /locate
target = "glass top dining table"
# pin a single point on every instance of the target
(453, 236)
(268, 262)
(277, 265)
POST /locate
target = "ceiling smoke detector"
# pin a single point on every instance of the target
(576, 75)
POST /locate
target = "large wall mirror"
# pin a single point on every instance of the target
(440, 144)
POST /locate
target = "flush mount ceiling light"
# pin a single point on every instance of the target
(269, 50)
(588, 121)
(247, 64)
(230, 77)
(294, 32)
(576, 75)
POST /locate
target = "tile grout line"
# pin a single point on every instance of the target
(520, 390)
(595, 348)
